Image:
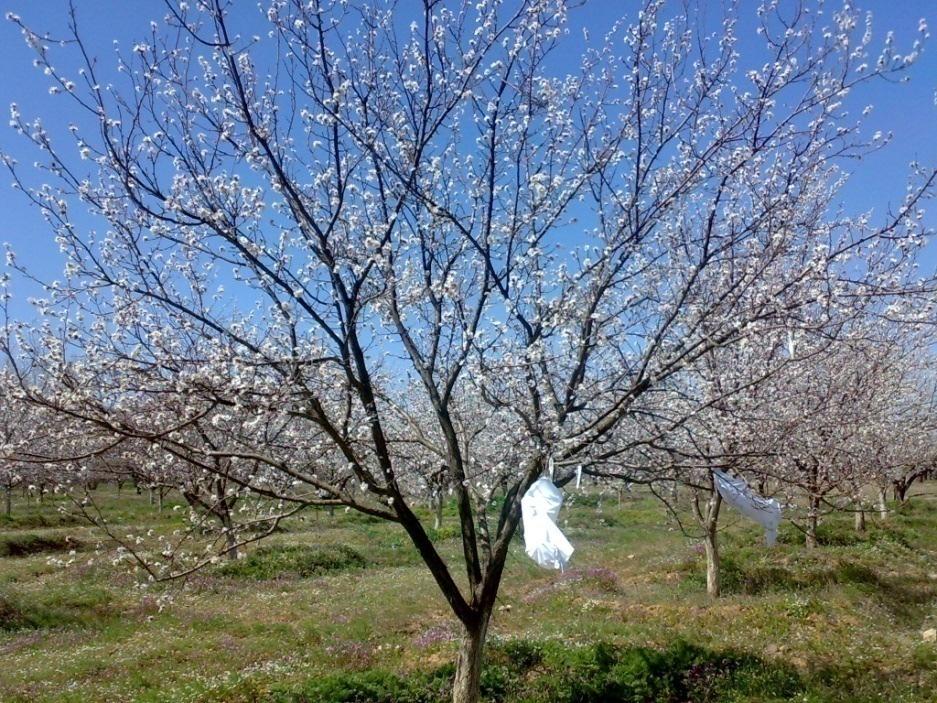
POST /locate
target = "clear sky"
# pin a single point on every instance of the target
(909, 110)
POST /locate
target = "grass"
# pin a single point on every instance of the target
(296, 560)
(339, 608)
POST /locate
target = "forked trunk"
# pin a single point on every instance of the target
(466, 686)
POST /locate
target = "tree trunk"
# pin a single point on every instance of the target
(159, 500)
(8, 502)
(466, 686)
(901, 491)
(882, 503)
(712, 564)
(437, 517)
(708, 518)
(813, 519)
(232, 549)
(223, 510)
(860, 520)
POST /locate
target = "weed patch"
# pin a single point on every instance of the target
(74, 607)
(300, 561)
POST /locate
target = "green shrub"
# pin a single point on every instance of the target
(294, 560)
(22, 545)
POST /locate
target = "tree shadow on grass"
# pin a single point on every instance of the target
(525, 671)
(905, 596)
(532, 671)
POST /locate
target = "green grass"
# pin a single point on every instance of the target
(294, 560)
(340, 608)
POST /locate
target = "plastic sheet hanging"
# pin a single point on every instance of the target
(738, 494)
(544, 542)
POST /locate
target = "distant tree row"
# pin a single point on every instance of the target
(356, 260)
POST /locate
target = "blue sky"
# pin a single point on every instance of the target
(907, 110)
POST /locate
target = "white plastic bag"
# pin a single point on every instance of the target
(543, 540)
(765, 511)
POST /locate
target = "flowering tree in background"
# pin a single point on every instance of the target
(27, 434)
(843, 415)
(360, 250)
(900, 438)
(12, 472)
(730, 391)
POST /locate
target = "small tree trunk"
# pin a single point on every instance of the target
(150, 494)
(232, 553)
(8, 502)
(901, 491)
(882, 503)
(712, 564)
(813, 519)
(708, 517)
(860, 520)
(466, 686)
(437, 517)
(159, 500)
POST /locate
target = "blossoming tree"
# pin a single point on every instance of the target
(363, 245)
